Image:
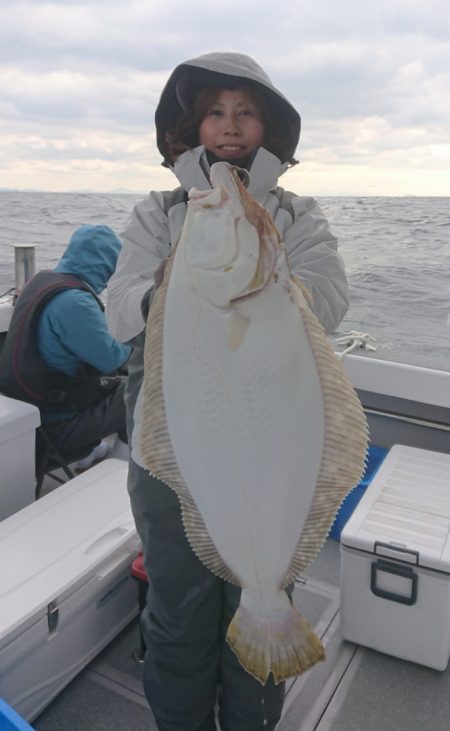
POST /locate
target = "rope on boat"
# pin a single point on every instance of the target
(8, 291)
(354, 340)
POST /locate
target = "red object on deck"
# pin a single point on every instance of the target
(137, 568)
(139, 573)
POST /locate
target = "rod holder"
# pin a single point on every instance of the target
(24, 263)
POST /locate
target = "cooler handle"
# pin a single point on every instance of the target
(405, 572)
(389, 550)
(109, 539)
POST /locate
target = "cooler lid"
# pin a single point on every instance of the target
(6, 312)
(61, 539)
(405, 512)
(16, 417)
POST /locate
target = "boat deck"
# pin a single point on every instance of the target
(354, 689)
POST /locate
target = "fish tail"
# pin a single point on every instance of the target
(280, 642)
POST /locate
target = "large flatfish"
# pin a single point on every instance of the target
(249, 416)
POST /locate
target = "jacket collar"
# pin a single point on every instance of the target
(192, 171)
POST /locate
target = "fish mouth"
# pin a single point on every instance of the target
(243, 175)
(227, 176)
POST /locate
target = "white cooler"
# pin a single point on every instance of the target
(395, 560)
(66, 588)
(18, 422)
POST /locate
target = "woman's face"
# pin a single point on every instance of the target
(233, 125)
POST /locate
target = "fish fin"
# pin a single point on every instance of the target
(303, 289)
(282, 642)
(345, 444)
(156, 447)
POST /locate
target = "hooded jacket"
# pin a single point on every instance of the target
(223, 70)
(157, 221)
(72, 329)
(58, 336)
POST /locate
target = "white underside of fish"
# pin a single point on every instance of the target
(233, 413)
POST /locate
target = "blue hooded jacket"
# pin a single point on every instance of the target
(72, 328)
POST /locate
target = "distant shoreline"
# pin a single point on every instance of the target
(119, 191)
(85, 191)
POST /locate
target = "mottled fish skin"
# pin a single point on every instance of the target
(249, 416)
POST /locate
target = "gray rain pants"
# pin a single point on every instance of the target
(189, 666)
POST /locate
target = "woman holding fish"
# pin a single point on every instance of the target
(217, 107)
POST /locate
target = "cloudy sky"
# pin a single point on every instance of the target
(79, 82)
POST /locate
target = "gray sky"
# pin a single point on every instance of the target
(79, 82)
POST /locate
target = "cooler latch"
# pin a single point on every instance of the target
(402, 588)
(52, 616)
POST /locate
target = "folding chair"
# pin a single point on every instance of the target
(49, 459)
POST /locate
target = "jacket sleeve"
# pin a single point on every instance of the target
(79, 325)
(145, 243)
(313, 257)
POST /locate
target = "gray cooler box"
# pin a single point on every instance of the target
(66, 588)
(18, 423)
(395, 560)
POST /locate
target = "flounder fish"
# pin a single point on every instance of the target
(249, 416)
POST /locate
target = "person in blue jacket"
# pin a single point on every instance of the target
(59, 352)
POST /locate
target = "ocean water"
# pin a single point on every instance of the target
(396, 252)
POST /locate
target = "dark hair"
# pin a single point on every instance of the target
(184, 134)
